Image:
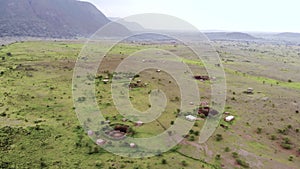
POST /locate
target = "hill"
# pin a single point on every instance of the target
(229, 36)
(132, 26)
(288, 35)
(51, 18)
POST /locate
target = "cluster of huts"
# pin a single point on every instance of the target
(206, 110)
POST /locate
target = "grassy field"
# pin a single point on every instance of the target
(39, 127)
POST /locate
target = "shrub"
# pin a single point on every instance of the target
(291, 158)
(242, 163)
(273, 137)
(184, 163)
(235, 155)
(202, 116)
(99, 164)
(218, 157)
(282, 131)
(286, 146)
(164, 161)
(258, 130)
(219, 137)
(227, 149)
(192, 138)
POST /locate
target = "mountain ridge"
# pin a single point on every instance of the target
(51, 18)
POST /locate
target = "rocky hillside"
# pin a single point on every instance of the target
(50, 18)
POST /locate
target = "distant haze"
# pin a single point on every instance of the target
(231, 15)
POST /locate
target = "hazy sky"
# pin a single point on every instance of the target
(232, 15)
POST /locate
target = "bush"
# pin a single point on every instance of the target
(227, 149)
(258, 130)
(99, 164)
(192, 138)
(291, 158)
(202, 116)
(184, 163)
(286, 146)
(191, 131)
(164, 161)
(242, 163)
(218, 157)
(273, 137)
(219, 137)
(235, 155)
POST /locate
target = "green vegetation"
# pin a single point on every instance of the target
(39, 126)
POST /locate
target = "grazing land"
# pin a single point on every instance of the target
(39, 127)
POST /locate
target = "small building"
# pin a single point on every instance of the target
(229, 118)
(90, 133)
(132, 145)
(139, 123)
(206, 110)
(105, 80)
(249, 91)
(204, 104)
(100, 142)
(190, 118)
(203, 78)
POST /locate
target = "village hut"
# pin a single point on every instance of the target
(249, 91)
(105, 80)
(190, 118)
(229, 118)
(100, 142)
(132, 145)
(139, 123)
(203, 78)
(90, 133)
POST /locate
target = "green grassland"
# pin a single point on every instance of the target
(39, 127)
